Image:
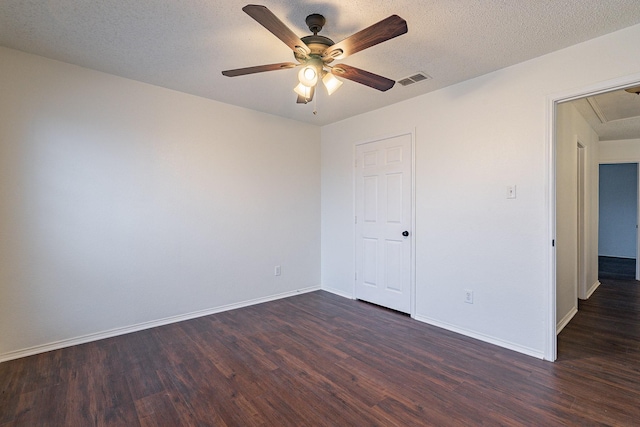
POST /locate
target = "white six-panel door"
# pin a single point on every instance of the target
(383, 214)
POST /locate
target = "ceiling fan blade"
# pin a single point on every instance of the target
(271, 22)
(384, 30)
(635, 90)
(363, 77)
(259, 69)
(302, 100)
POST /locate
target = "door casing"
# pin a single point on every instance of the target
(551, 342)
(410, 133)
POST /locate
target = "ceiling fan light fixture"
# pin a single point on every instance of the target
(303, 91)
(331, 83)
(308, 75)
(311, 71)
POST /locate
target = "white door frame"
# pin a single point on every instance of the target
(551, 347)
(412, 135)
(581, 289)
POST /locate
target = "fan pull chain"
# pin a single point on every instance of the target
(315, 105)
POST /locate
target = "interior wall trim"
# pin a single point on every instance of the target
(592, 289)
(565, 321)
(482, 337)
(146, 325)
(338, 292)
(616, 161)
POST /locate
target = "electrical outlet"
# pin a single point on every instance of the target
(277, 271)
(468, 296)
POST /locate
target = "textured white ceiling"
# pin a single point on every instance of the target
(184, 45)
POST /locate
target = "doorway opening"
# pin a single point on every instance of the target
(618, 221)
(574, 196)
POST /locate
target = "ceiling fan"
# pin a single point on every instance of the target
(315, 53)
(635, 90)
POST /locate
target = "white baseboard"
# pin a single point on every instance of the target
(337, 292)
(592, 289)
(566, 319)
(482, 337)
(146, 325)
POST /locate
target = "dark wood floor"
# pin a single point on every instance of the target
(321, 360)
(616, 268)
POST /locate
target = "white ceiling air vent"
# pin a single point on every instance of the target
(416, 78)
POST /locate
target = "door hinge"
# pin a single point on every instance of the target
(553, 243)
(355, 163)
(356, 219)
(356, 278)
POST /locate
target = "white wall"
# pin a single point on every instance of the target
(621, 151)
(472, 140)
(571, 130)
(123, 203)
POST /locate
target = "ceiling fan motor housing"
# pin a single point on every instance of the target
(317, 44)
(315, 22)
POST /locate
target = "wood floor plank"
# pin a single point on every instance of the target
(334, 397)
(318, 359)
(188, 410)
(40, 405)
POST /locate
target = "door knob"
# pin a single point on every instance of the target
(405, 233)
